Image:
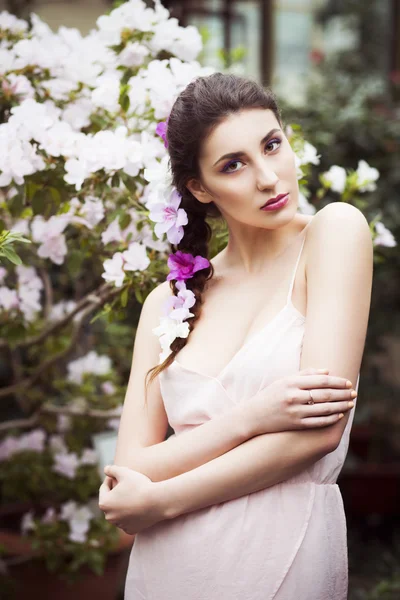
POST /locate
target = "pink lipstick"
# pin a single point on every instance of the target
(280, 203)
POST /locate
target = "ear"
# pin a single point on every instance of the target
(196, 188)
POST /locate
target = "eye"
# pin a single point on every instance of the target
(274, 141)
(227, 168)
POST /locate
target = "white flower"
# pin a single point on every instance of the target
(384, 237)
(66, 463)
(8, 298)
(113, 269)
(336, 176)
(112, 233)
(27, 522)
(90, 363)
(168, 330)
(366, 176)
(68, 510)
(78, 518)
(63, 423)
(308, 154)
(306, 208)
(135, 257)
(133, 55)
(89, 457)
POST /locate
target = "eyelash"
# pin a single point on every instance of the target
(225, 169)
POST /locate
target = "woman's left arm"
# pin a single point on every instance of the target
(339, 283)
(339, 279)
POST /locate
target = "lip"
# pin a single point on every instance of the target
(276, 203)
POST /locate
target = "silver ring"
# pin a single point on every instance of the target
(311, 401)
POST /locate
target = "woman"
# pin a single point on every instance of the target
(242, 502)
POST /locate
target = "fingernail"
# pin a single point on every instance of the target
(321, 370)
(341, 415)
(349, 384)
(350, 404)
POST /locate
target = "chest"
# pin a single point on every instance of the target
(235, 313)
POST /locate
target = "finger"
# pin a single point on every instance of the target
(102, 496)
(114, 471)
(325, 408)
(110, 482)
(322, 381)
(311, 422)
(326, 395)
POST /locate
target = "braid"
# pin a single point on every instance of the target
(197, 234)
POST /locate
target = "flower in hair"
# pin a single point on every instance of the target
(176, 309)
(168, 330)
(169, 218)
(183, 265)
(161, 130)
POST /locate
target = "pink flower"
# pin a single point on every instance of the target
(161, 130)
(183, 265)
(169, 218)
(177, 307)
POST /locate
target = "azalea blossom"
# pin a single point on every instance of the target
(183, 265)
(27, 522)
(135, 257)
(336, 177)
(384, 236)
(366, 176)
(308, 154)
(168, 330)
(177, 307)
(306, 208)
(90, 363)
(66, 463)
(169, 218)
(113, 269)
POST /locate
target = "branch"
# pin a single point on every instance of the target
(90, 298)
(61, 410)
(47, 364)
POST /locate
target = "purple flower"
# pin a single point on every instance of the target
(161, 130)
(182, 265)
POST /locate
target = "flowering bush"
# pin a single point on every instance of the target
(84, 179)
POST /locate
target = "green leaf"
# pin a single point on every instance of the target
(125, 102)
(124, 220)
(130, 184)
(11, 255)
(138, 294)
(115, 181)
(38, 202)
(124, 298)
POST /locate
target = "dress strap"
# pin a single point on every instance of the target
(294, 272)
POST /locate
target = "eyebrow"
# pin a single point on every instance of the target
(240, 153)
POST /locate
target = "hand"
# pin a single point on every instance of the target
(128, 499)
(283, 405)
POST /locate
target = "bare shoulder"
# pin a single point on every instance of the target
(338, 216)
(339, 230)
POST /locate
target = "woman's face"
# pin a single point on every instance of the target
(260, 165)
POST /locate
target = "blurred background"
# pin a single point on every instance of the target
(335, 67)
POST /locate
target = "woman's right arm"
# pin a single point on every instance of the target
(141, 441)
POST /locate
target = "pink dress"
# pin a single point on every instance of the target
(284, 542)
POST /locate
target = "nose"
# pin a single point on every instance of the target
(266, 177)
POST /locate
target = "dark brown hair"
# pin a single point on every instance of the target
(199, 108)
